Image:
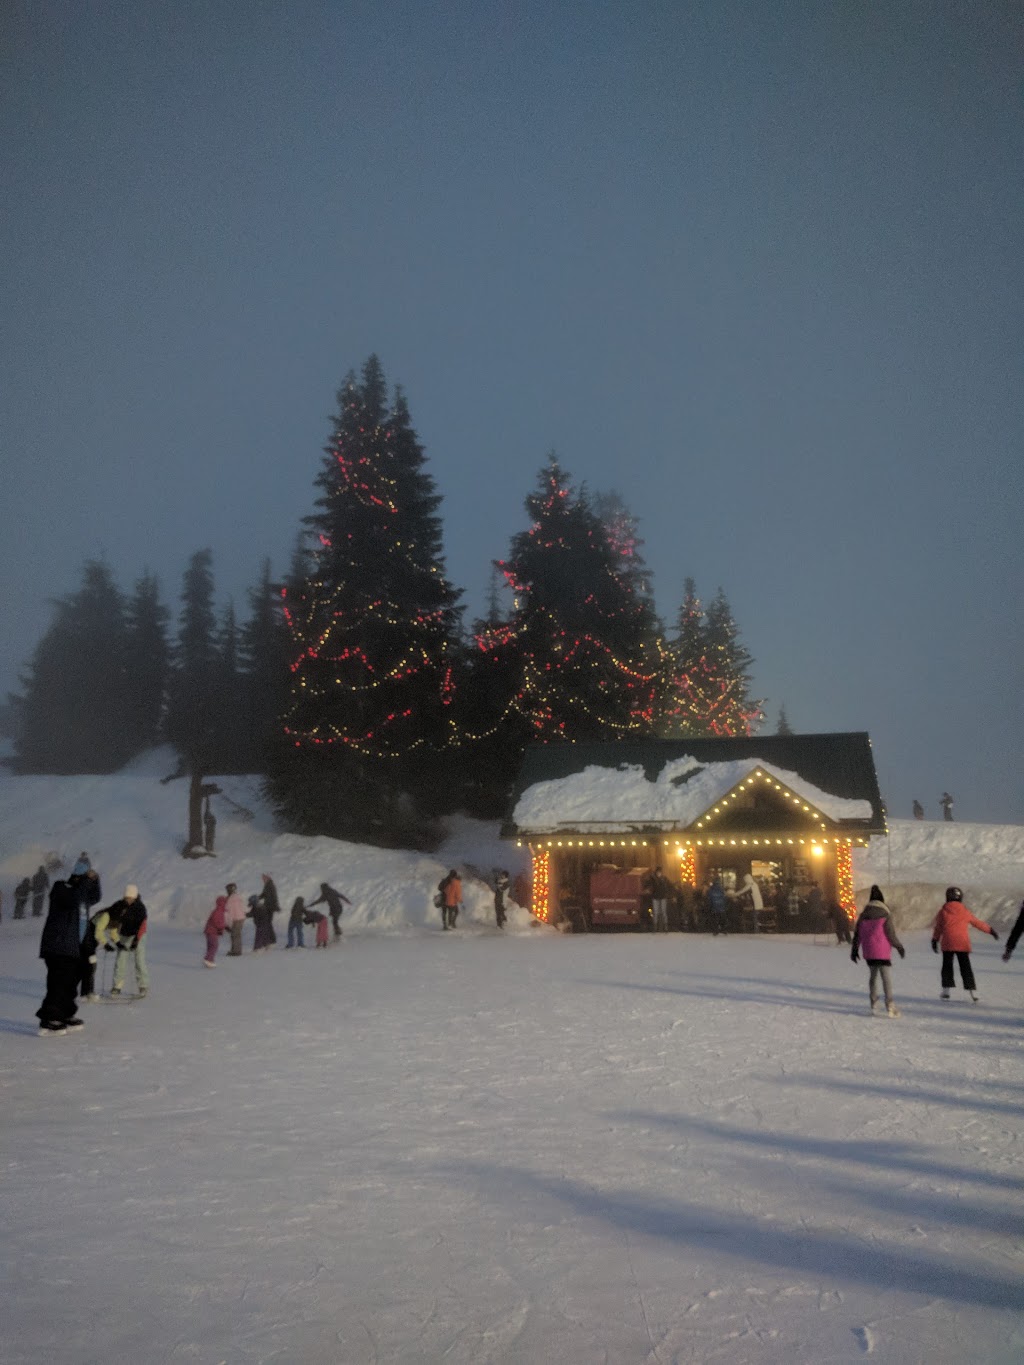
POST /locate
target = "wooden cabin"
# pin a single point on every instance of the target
(788, 809)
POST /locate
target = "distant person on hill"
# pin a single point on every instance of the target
(21, 894)
(209, 827)
(131, 942)
(918, 811)
(335, 902)
(40, 886)
(951, 933)
(875, 937)
(946, 802)
(295, 922)
(234, 918)
(213, 929)
(1015, 934)
(60, 949)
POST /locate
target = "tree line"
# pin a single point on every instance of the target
(354, 683)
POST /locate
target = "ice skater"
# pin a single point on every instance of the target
(1015, 934)
(319, 919)
(951, 933)
(335, 902)
(213, 929)
(295, 922)
(60, 949)
(875, 937)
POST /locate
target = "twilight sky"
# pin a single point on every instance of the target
(757, 267)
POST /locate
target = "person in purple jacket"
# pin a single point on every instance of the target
(875, 937)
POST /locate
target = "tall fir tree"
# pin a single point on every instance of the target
(707, 684)
(192, 710)
(579, 654)
(372, 627)
(148, 660)
(783, 727)
(264, 661)
(75, 708)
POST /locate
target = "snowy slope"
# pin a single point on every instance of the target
(133, 829)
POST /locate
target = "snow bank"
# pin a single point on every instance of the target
(133, 827)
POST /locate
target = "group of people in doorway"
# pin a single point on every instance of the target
(230, 913)
(73, 939)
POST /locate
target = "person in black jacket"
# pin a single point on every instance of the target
(1015, 934)
(21, 894)
(335, 903)
(131, 940)
(59, 948)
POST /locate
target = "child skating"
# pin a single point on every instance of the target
(875, 937)
(951, 933)
(318, 918)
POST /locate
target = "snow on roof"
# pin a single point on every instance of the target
(603, 799)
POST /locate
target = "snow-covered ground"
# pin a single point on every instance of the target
(475, 1147)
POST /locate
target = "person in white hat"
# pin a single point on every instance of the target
(131, 941)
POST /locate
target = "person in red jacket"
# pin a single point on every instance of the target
(215, 926)
(951, 933)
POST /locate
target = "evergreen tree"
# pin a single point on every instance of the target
(371, 627)
(623, 531)
(228, 701)
(783, 727)
(192, 711)
(265, 666)
(74, 711)
(579, 654)
(707, 687)
(148, 654)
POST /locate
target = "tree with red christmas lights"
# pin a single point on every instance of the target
(578, 653)
(371, 626)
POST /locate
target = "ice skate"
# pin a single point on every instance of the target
(50, 1028)
(892, 1011)
(208, 964)
(74, 1023)
(873, 1007)
(944, 995)
(974, 996)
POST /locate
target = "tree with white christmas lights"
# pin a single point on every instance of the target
(707, 675)
(371, 625)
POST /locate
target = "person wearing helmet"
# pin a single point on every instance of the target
(951, 933)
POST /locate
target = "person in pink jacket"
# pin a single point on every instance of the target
(234, 918)
(213, 930)
(875, 937)
(951, 933)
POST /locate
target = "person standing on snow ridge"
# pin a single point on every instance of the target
(60, 949)
(1015, 934)
(335, 903)
(875, 937)
(946, 803)
(131, 941)
(234, 918)
(450, 890)
(951, 932)
(213, 929)
(918, 811)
